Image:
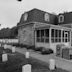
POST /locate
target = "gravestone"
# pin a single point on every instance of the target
(26, 68)
(27, 55)
(52, 64)
(5, 46)
(4, 57)
(0, 45)
(13, 49)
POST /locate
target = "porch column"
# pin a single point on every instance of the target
(61, 35)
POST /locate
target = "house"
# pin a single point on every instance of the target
(43, 29)
(65, 19)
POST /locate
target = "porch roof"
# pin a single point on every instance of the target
(38, 25)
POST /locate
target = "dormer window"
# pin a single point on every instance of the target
(25, 16)
(47, 18)
(61, 18)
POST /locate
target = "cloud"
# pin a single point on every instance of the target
(11, 10)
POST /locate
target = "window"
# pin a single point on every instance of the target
(25, 16)
(46, 35)
(43, 35)
(47, 18)
(61, 18)
(55, 35)
(52, 35)
(66, 36)
(63, 36)
(59, 36)
(38, 35)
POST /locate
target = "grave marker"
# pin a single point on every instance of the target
(13, 49)
(0, 45)
(52, 64)
(5, 46)
(27, 55)
(26, 68)
(4, 57)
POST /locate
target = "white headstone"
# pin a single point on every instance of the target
(4, 57)
(27, 55)
(26, 68)
(52, 64)
(13, 49)
(0, 45)
(5, 46)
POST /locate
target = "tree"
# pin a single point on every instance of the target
(5, 33)
(13, 32)
(9, 33)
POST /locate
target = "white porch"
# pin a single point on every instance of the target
(54, 35)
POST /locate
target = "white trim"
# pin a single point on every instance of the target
(45, 24)
(69, 25)
(56, 26)
(23, 24)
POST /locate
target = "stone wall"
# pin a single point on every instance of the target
(26, 34)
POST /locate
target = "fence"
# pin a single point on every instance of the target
(8, 40)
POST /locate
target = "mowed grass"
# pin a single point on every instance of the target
(17, 60)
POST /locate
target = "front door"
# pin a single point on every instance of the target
(66, 38)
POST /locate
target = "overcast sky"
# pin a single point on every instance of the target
(11, 10)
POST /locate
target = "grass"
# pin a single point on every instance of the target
(17, 60)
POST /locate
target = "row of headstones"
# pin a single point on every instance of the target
(27, 67)
(5, 56)
(9, 40)
(9, 46)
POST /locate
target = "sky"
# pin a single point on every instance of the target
(11, 10)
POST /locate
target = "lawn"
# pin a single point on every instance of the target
(17, 60)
